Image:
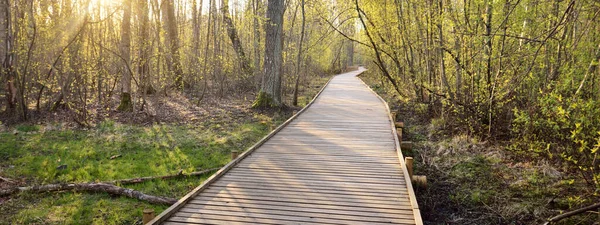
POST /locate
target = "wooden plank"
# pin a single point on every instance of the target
(324, 163)
(361, 195)
(317, 177)
(282, 210)
(293, 216)
(324, 171)
(360, 208)
(364, 204)
(345, 198)
(261, 218)
(316, 188)
(317, 181)
(331, 166)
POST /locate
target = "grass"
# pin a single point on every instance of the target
(37, 156)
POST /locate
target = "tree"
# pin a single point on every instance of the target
(6, 55)
(270, 91)
(299, 59)
(172, 42)
(235, 40)
(126, 103)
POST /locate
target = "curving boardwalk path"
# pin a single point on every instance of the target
(335, 163)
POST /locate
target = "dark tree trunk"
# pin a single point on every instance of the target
(126, 103)
(270, 93)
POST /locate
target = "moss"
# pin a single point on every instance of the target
(125, 105)
(263, 100)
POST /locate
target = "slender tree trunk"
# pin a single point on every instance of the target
(270, 93)
(299, 64)
(235, 40)
(204, 66)
(256, 4)
(172, 42)
(145, 49)
(126, 102)
(196, 16)
(6, 54)
(445, 83)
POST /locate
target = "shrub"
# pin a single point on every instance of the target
(564, 130)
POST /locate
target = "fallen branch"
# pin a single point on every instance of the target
(92, 187)
(572, 213)
(6, 180)
(144, 179)
(108, 187)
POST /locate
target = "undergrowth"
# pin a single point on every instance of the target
(475, 181)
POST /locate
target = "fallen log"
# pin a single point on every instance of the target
(92, 187)
(108, 187)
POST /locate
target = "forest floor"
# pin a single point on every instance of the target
(481, 182)
(177, 136)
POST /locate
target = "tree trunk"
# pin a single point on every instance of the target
(270, 93)
(299, 59)
(145, 49)
(6, 55)
(126, 103)
(255, 25)
(172, 42)
(235, 40)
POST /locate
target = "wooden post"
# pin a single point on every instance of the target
(406, 146)
(148, 215)
(399, 133)
(393, 116)
(234, 154)
(399, 128)
(409, 166)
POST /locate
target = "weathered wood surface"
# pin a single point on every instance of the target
(335, 163)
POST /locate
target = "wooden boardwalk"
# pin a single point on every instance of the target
(336, 162)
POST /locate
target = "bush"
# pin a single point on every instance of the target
(564, 130)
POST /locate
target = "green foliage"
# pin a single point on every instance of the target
(562, 129)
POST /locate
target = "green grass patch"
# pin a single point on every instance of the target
(75, 156)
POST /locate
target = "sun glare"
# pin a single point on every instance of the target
(106, 2)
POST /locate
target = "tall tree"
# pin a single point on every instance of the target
(299, 64)
(144, 50)
(126, 103)
(235, 40)
(6, 55)
(270, 91)
(172, 42)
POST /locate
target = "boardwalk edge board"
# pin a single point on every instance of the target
(182, 201)
(411, 191)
